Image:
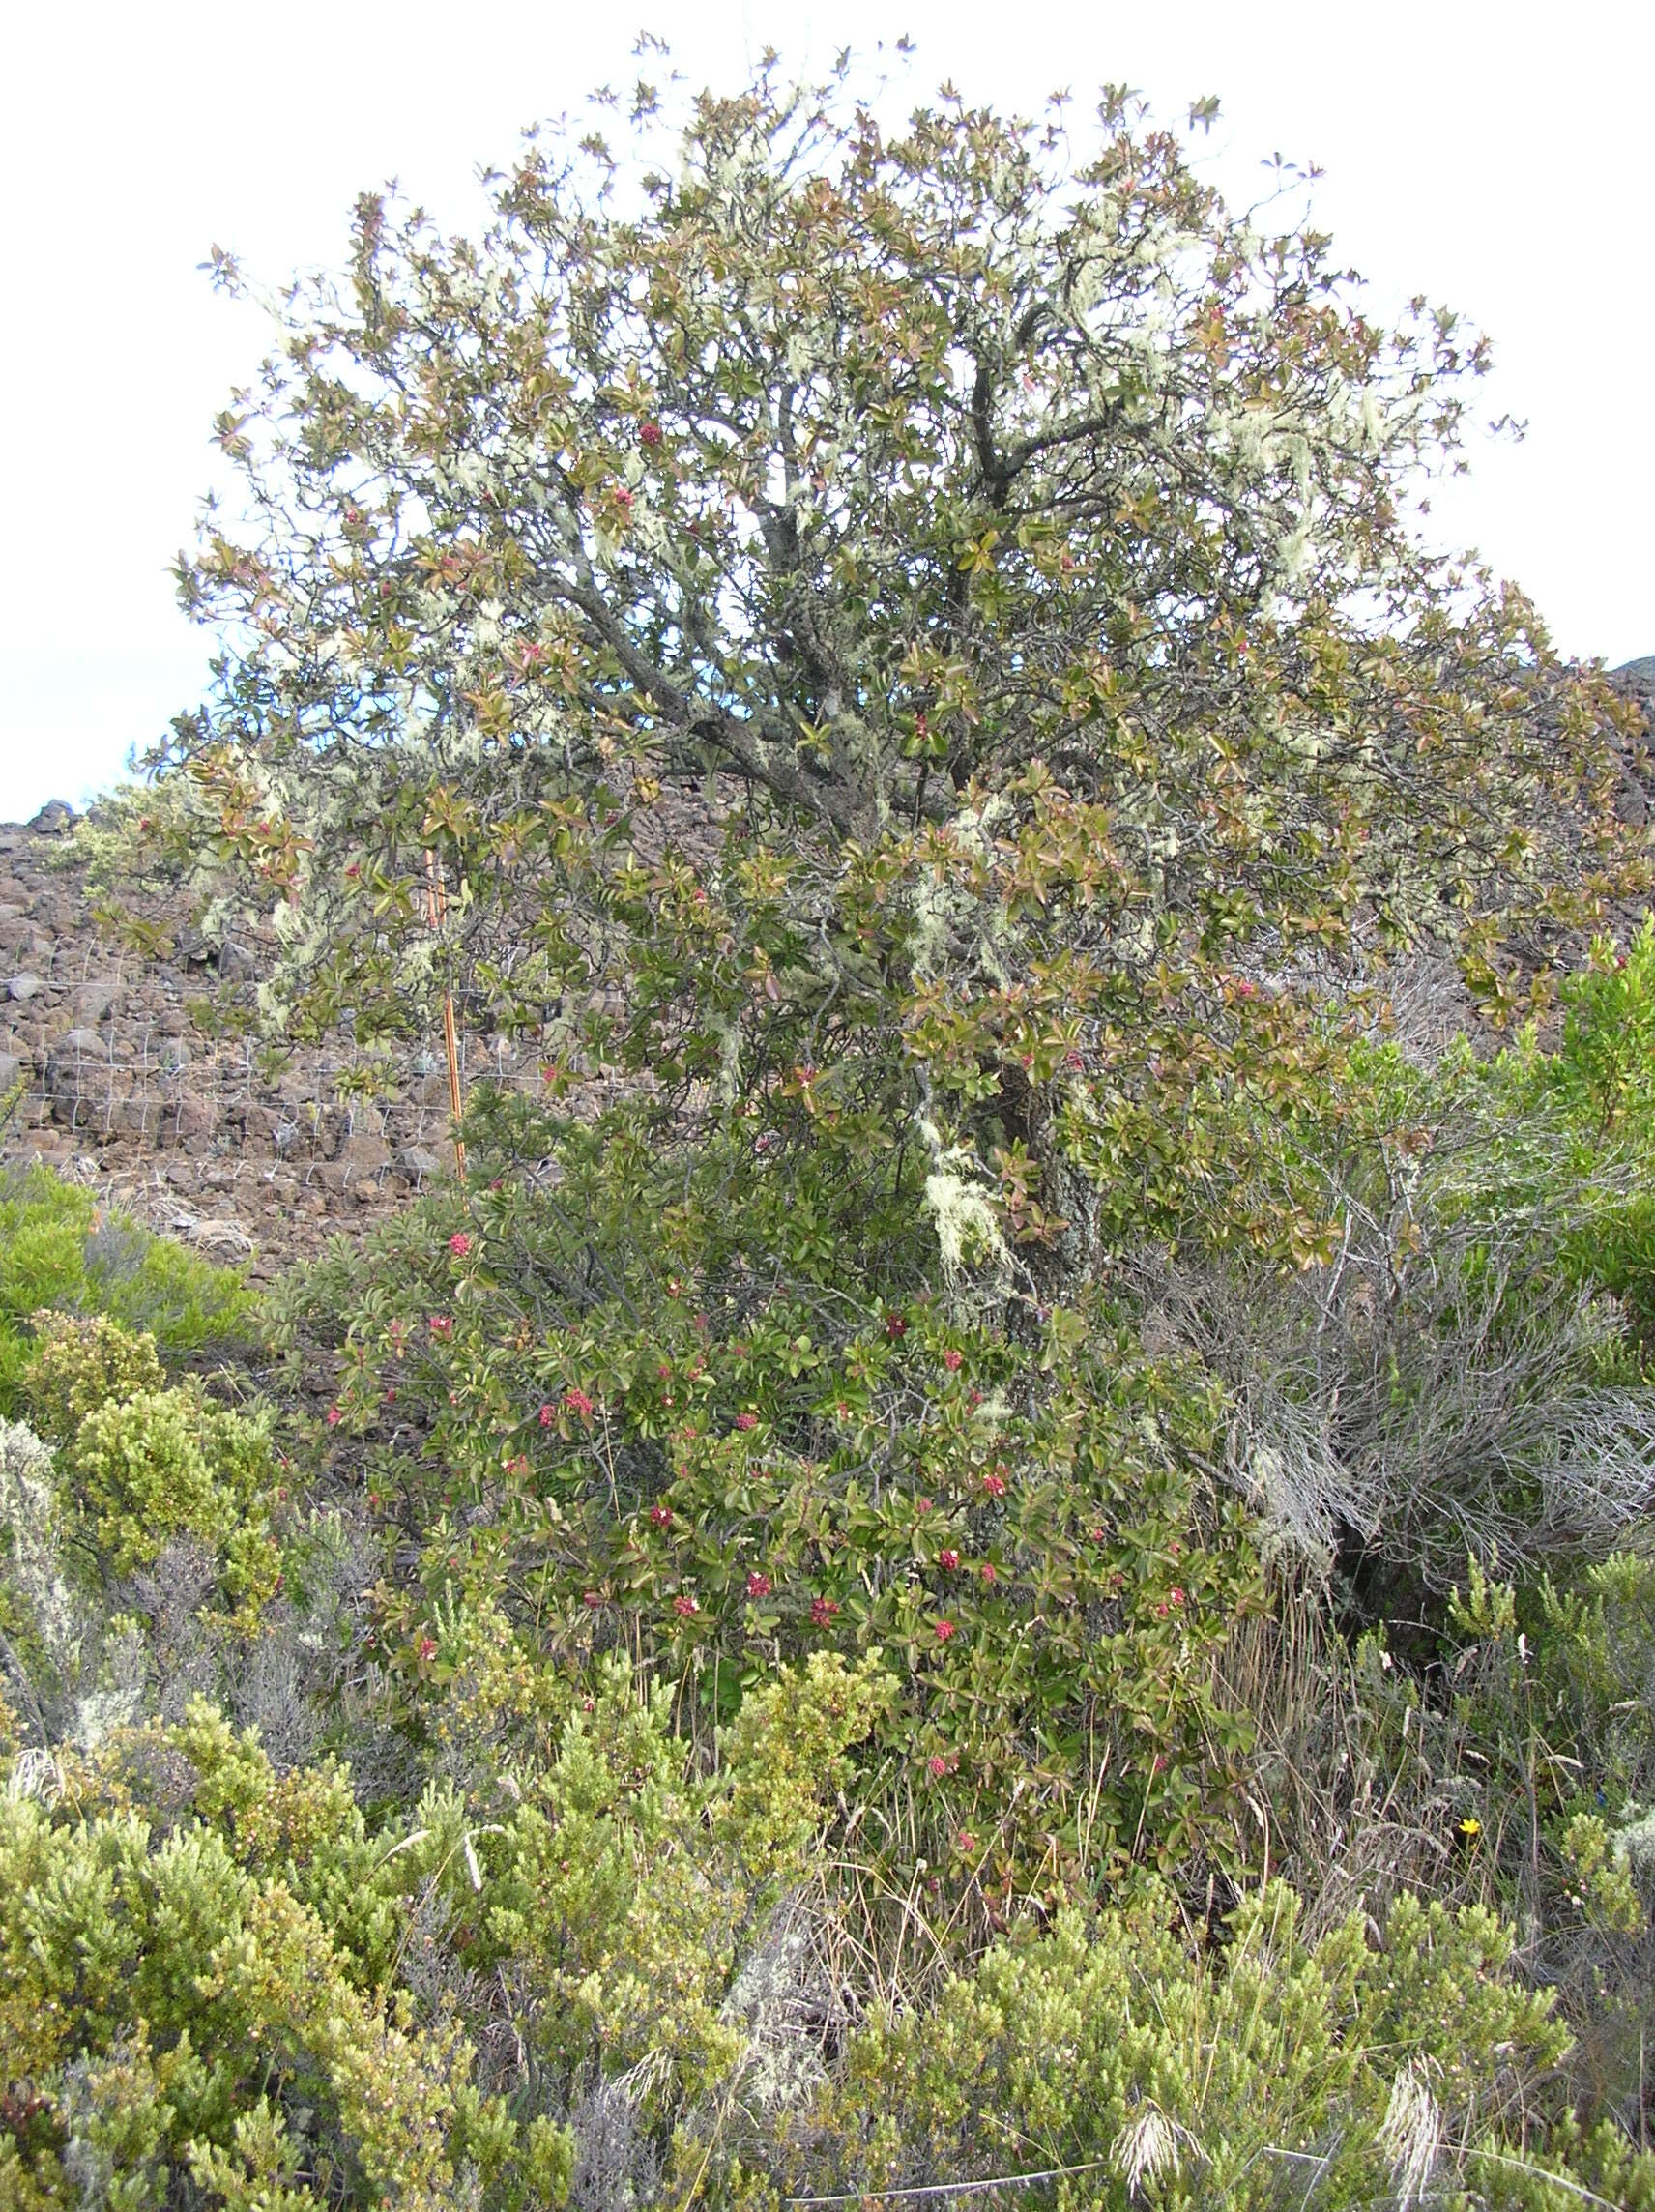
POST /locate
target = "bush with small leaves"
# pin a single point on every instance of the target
(197, 1985)
(80, 1365)
(625, 1887)
(161, 1464)
(1124, 2057)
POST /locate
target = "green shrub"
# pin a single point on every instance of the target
(1603, 1068)
(1598, 1078)
(61, 1252)
(1123, 2058)
(161, 1464)
(140, 1472)
(720, 1478)
(78, 1366)
(137, 1471)
(212, 1971)
(193, 1987)
(623, 1889)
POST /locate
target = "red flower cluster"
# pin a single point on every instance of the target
(954, 1361)
(994, 1485)
(758, 1584)
(548, 1415)
(333, 1417)
(459, 1243)
(944, 1630)
(822, 1610)
(441, 1324)
(649, 434)
(661, 1516)
(895, 1325)
(746, 1420)
(578, 1402)
(937, 1765)
(685, 1605)
(949, 1559)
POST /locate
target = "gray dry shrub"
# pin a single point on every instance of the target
(792, 2008)
(32, 1570)
(618, 2156)
(70, 1680)
(1443, 1385)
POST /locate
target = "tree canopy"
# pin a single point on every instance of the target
(979, 513)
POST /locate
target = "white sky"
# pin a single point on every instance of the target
(1490, 152)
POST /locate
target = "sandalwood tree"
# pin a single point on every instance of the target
(939, 608)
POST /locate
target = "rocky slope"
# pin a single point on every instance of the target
(147, 1079)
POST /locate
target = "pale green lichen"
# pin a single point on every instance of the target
(977, 1260)
(1635, 1843)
